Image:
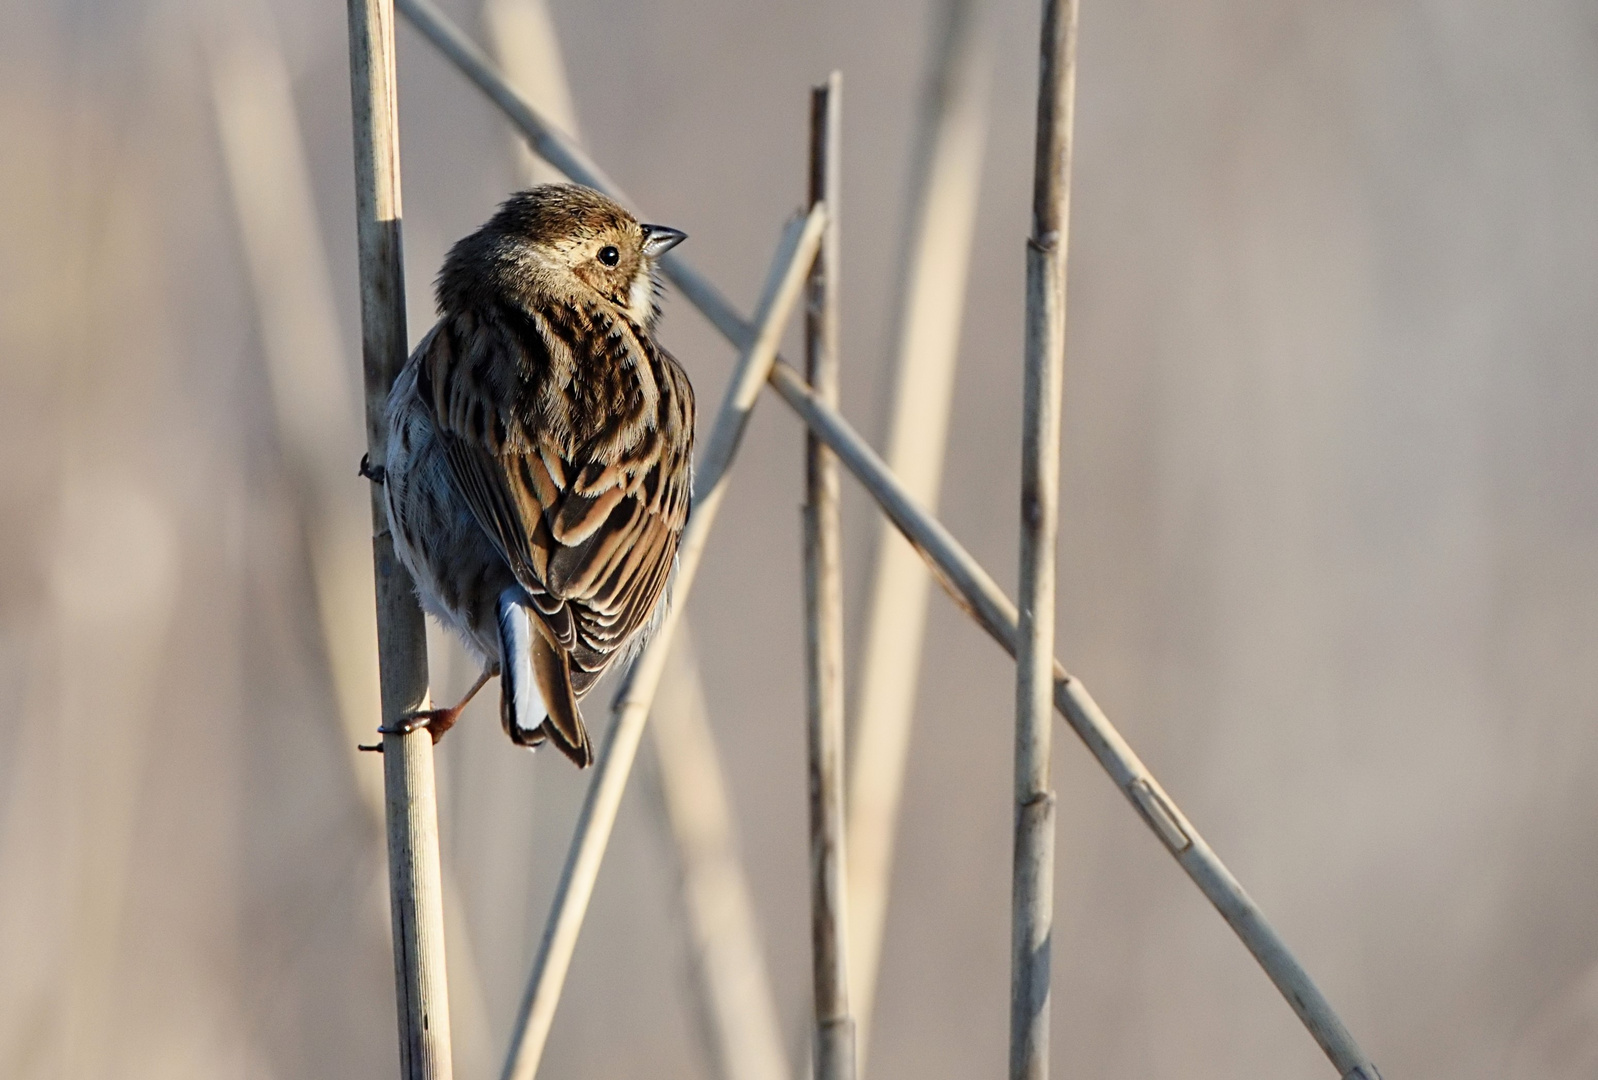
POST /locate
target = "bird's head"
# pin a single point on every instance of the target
(562, 242)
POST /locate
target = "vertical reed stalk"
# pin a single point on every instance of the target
(318, 422)
(1032, 894)
(945, 179)
(415, 877)
(835, 1050)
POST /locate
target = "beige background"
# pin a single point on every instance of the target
(1329, 545)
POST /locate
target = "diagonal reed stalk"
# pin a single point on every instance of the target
(961, 576)
(416, 884)
(795, 253)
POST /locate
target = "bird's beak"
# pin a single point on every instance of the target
(659, 239)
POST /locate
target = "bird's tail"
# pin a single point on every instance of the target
(535, 677)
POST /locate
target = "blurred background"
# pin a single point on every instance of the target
(1329, 539)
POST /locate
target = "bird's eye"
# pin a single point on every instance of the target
(609, 255)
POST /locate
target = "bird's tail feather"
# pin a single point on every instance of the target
(535, 678)
(564, 724)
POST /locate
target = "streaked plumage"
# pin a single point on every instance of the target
(538, 473)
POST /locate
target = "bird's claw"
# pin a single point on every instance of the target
(412, 722)
(375, 473)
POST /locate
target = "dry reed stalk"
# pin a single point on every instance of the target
(633, 701)
(415, 876)
(313, 402)
(1032, 882)
(738, 1012)
(524, 39)
(829, 926)
(314, 407)
(945, 178)
(961, 576)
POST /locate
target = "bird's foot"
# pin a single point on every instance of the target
(375, 473)
(436, 721)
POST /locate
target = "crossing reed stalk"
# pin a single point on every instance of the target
(979, 596)
(411, 802)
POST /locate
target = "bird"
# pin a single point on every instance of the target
(539, 469)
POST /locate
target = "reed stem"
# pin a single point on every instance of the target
(834, 1037)
(1032, 881)
(415, 876)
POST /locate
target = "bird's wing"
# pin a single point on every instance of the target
(584, 493)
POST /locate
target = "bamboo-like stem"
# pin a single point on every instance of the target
(829, 937)
(631, 708)
(1032, 880)
(961, 576)
(415, 876)
(945, 175)
(739, 1013)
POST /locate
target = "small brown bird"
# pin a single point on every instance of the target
(538, 471)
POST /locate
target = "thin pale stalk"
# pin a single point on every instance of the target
(945, 176)
(415, 876)
(739, 1012)
(1032, 873)
(823, 574)
(631, 708)
(974, 592)
(524, 39)
(317, 416)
